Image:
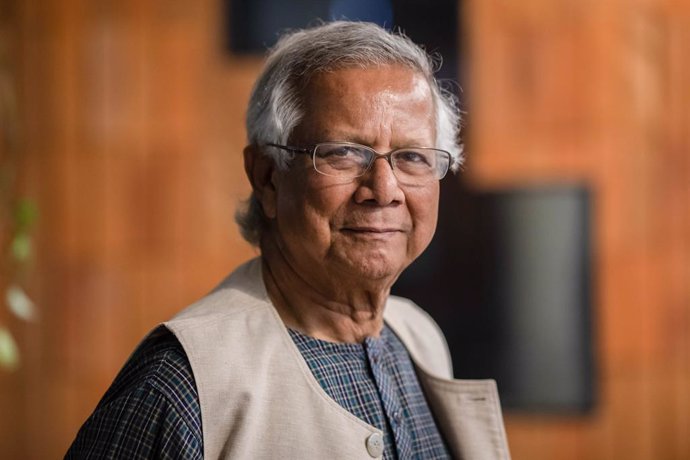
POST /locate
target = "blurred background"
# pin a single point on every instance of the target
(122, 131)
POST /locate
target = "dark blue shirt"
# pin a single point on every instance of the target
(376, 381)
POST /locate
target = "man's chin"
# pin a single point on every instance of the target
(375, 265)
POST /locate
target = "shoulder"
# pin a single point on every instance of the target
(420, 334)
(150, 410)
(160, 362)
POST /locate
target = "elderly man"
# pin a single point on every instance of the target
(302, 353)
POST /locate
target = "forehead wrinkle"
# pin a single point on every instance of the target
(382, 110)
(355, 112)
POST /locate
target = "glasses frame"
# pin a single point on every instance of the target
(388, 156)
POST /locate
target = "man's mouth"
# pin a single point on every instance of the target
(367, 229)
(371, 232)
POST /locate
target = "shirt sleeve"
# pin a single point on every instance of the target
(151, 411)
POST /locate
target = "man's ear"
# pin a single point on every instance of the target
(259, 168)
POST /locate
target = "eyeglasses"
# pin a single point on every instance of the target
(346, 160)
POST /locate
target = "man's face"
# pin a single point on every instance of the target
(369, 228)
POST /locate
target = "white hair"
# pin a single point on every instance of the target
(275, 103)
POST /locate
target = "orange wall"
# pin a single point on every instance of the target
(133, 135)
(597, 92)
(131, 117)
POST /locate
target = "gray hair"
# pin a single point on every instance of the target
(275, 103)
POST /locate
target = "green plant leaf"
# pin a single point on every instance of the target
(20, 304)
(21, 247)
(9, 354)
(25, 214)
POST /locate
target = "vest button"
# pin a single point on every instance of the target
(375, 445)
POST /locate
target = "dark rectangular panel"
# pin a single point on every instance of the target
(508, 279)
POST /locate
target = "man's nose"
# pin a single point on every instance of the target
(380, 184)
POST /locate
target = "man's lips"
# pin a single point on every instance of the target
(373, 230)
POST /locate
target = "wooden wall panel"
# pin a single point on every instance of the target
(132, 131)
(132, 134)
(592, 92)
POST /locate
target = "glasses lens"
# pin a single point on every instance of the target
(421, 165)
(341, 160)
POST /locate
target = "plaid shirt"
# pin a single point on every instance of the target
(376, 382)
(152, 408)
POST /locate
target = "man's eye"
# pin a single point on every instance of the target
(340, 152)
(413, 157)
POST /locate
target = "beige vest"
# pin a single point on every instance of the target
(259, 400)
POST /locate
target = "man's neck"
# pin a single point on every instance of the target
(310, 309)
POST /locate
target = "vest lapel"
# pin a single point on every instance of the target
(468, 412)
